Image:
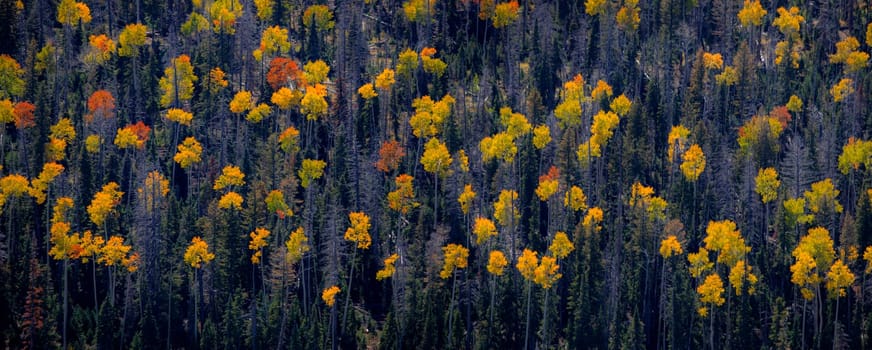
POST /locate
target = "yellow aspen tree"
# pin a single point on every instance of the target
(198, 253)
(751, 14)
(496, 263)
(693, 163)
(670, 246)
(230, 176)
(177, 84)
(132, 37)
(358, 231)
(189, 152)
(230, 200)
(312, 169)
(767, 184)
(465, 199)
(329, 295)
(297, 245)
(402, 199)
(483, 229)
(104, 202)
(389, 269)
(257, 242)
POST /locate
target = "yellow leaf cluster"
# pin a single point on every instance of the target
(788, 21)
(788, 49)
(595, 7)
(385, 79)
(311, 169)
(496, 263)
(561, 246)
(275, 203)
(767, 184)
(867, 255)
(241, 102)
(505, 208)
(367, 91)
(177, 84)
(483, 229)
(403, 198)
(670, 246)
(329, 295)
(358, 232)
(429, 116)
(313, 104)
(516, 124)
(89, 247)
(699, 262)
(601, 130)
(621, 105)
(101, 48)
(289, 140)
(593, 219)
(527, 264)
(740, 273)
(712, 290)
(842, 89)
(104, 202)
(132, 37)
(505, 14)
(224, 14)
(39, 185)
(546, 188)
(432, 65)
(499, 146)
(723, 237)
(728, 77)
(466, 197)
(756, 130)
(262, 110)
(273, 41)
(838, 278)
(628, 17)
(601, 91)
(813, 255)
(113, 252)
(320, 16)
(286, 98)
(407, 63)
(71, 12)
(436, 158)
(575, 199)
(541, 136)
(92, 143)
(823, 196)
(546, 274)
(230, 200)
(297, 245)
(751, 14)
(63, 130)
(195, 23)
(198, 253)
(180, 116)
(257, 242)
(315, 72)
(217, 80)
(389, 268)
(677, 140)
(847, 54)
(693, 163)
(712, 60)
(188, 153)
(455, 258)
(794, 104)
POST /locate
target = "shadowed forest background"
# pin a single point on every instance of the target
(423, 174)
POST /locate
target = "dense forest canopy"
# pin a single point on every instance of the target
(423, 174)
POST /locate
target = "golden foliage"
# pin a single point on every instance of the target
(297, 245)
(177, 84)
(723, 237)
(104, 202)
(188, 152)
(506, 210)
(739, 273)
(483, 229)
(275, 203)
(751, 14)
(842, 89)
(198, 253)
(794, 104)
(712, 61)
(132, 37)
(315, 72)
(241, 102)
(548, 184)
(499, 146)
(385, 79)
(63, 130)
(712, 290)
(230, 200)
(273, 41)
(40, 184)
(561, 246)
(693, 163)
(430, 116)
(455, 258)
(575, 199)
(180, 116)
(70, 12)
(113, 252)
(505, 14)
(367, 91)
(329, 295)
(436, 158)
(289, 140)
(465, 199)
(593, 219)
(546, 273)
(432, 65)
(541, 136)
(496, 263)
(403, 198)
(224, 14)
(312, 169)
(101, 48)
(320, 16)
(823, 196)
(389, 269)
(788, 21)
(767, 184)
(257, 242)
(838, 278)
(527, 264)
(699, 262)
(262, 110)
(670, 246)
(313, 104)
(358, 231)
(217, 80)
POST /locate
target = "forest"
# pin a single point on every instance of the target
(435, 174)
